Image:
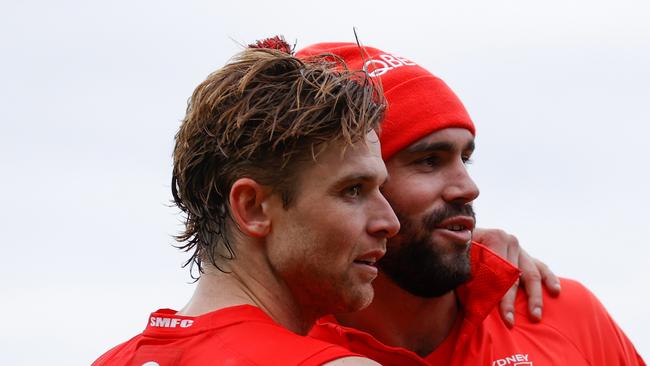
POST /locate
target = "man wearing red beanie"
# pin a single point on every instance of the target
(436, 297)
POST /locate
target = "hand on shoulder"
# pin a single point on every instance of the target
(535, 274)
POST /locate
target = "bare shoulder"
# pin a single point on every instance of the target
(352, 361)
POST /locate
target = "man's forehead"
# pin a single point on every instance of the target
(339, 159)
(453, 138)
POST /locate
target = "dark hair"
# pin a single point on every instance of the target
(261, 116)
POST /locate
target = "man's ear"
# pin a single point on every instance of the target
(247, 206)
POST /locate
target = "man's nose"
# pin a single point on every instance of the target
(384, 222)
(460, 187)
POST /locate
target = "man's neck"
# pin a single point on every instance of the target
(400, 319)
(217, 290)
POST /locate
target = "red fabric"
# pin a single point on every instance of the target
(238, 335)
(575, 330)
(274, 43)
(418, 102)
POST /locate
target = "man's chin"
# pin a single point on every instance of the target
(355, 299)
(426, 273)
(429, 291)
(455, 257)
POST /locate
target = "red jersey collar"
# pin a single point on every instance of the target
(165, 321)
(492, 277)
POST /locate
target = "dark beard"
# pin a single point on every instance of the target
(420, 266)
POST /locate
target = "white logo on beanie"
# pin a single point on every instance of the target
(385, 63)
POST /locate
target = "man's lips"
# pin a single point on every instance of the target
(367, 263)
(371, 257)
(457, 223)
(458, 229)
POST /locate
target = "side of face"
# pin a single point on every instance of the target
(431, 193)
(325, 245)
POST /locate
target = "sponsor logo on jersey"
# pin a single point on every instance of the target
(162, 322)
(517, 359)
(382, 64)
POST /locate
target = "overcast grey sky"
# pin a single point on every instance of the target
(92, 94)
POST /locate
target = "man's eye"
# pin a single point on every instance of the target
(353, 191)
(430, 161)
(467, 160)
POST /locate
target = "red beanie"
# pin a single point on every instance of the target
(418, 102)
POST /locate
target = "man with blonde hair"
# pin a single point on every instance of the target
(278, 170)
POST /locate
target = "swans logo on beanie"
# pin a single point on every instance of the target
(419, 103)
(384, 63)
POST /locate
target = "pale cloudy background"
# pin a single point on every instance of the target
(92, 94)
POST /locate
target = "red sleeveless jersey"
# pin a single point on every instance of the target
(238, 335)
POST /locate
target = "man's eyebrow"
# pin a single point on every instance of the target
(437, 146)
(430, 146)
(359, 177)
